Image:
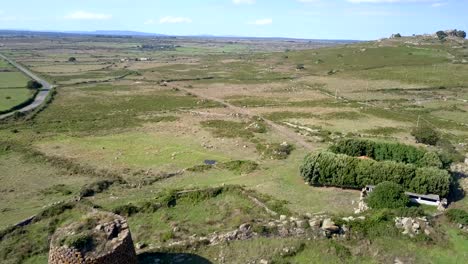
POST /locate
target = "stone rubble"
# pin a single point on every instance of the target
(414, 226)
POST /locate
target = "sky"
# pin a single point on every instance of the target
(310, 19)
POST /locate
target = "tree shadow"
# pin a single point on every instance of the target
(169, 258)
(456, 190)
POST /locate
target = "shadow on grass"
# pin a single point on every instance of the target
(456, 190)
(166, 258)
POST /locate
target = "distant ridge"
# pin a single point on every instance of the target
(115, 33)
(124, 33)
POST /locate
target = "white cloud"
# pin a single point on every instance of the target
(308, 1)
(262, 22)
(174, 20)
(82, 15)
(243, 2)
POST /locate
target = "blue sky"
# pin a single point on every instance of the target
(317, 19)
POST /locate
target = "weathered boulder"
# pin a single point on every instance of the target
(329, 225)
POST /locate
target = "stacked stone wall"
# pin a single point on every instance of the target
(122, 251)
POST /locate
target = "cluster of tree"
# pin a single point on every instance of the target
(454, 33)
(382, 151)
(34, 85)
(330, 169)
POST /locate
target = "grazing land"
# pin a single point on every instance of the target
(12, 86)
(137, 123)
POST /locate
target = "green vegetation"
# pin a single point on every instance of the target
(240, 166)
(33, 85)
(387, 195)
(228, 129)
(458, 216)
(329, 169)
(425, 135)
(381, 151)
(123, 133)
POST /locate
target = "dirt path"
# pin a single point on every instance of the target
(287, 133)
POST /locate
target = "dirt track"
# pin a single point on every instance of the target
(284, 131)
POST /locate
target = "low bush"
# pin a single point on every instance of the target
(96, 187)
(239, 166)
(379, 224)
(425, 135)
(81, 242)
(200, 168)
(330, 169)
(458, 216)
(126, 210)
(387, 195)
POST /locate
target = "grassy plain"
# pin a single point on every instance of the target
(12, 86)
(201, 101)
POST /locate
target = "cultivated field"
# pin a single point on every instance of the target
(128, 133)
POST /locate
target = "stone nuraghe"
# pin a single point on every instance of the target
(111, 242)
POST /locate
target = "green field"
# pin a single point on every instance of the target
(12, 87)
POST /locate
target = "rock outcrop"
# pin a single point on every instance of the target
(414, 226)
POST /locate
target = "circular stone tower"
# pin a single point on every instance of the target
(99, 238)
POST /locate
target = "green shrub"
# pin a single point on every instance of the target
(34, 85)
(200, 168)
(240, 166)
(409, 212)
(330, 169)
(425, 135)
(379, 224)
(95, 187)
(381, 151)
(126, 210)
(458, 216)
(431, 180)
(387, 195)
(81, 242)
(441, 35)
(431, 159)
(448, 153)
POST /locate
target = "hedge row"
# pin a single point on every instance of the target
(382, 151)
(330, 169)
